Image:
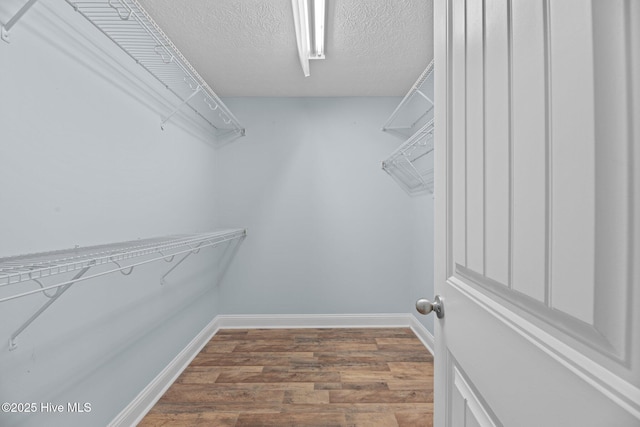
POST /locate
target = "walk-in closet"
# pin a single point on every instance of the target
(319, 213)
(148, 208)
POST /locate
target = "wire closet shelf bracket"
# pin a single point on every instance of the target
(415, 109)
(118, 257)
(5, 29)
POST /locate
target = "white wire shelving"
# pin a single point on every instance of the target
(415, 109)
(411, 164)
(118, 257)
(131, 28)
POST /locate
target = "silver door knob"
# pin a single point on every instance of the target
(424, 306)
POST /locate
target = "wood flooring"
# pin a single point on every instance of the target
(303, 377)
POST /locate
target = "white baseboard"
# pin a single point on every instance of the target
(133, 413)
(144, 401)
(385, 320)
(274, 321)
(422, 333)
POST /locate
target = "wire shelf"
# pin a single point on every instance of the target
(124, 256)
(130, 27)
(415, 109)
(23, 268)
(411, 164)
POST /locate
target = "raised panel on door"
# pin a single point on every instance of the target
(468, 410)
(541, 178)
(497, 129)
(529, 125)
(474, 166)
(572, 157)
(547, 217)
(458, 131)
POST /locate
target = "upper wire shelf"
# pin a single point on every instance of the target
(123, 256)
(130, 27)
(411, 164)
(415, 109)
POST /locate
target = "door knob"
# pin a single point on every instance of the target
(424, 306)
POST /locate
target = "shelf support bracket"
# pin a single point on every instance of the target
(195, 250)
(175, 110)
(6, 28)
(25, 325)
(424, 96)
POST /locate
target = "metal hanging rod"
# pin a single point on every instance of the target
(25, 268)
(131, 28)
(424, 81)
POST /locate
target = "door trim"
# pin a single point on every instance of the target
(623, 393)
(557, 320)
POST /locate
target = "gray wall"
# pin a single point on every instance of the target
(329, 231)
(83, 161)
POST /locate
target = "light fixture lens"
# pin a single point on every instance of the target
(318, 27)
(309, 20)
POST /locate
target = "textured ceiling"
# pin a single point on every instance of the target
(248, 47)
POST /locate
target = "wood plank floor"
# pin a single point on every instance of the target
(303, 377)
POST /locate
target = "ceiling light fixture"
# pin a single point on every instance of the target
(310, 42)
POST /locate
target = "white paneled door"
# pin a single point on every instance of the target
(538, 212)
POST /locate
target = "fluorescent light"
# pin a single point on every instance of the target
(310, 43)
(318, 28)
